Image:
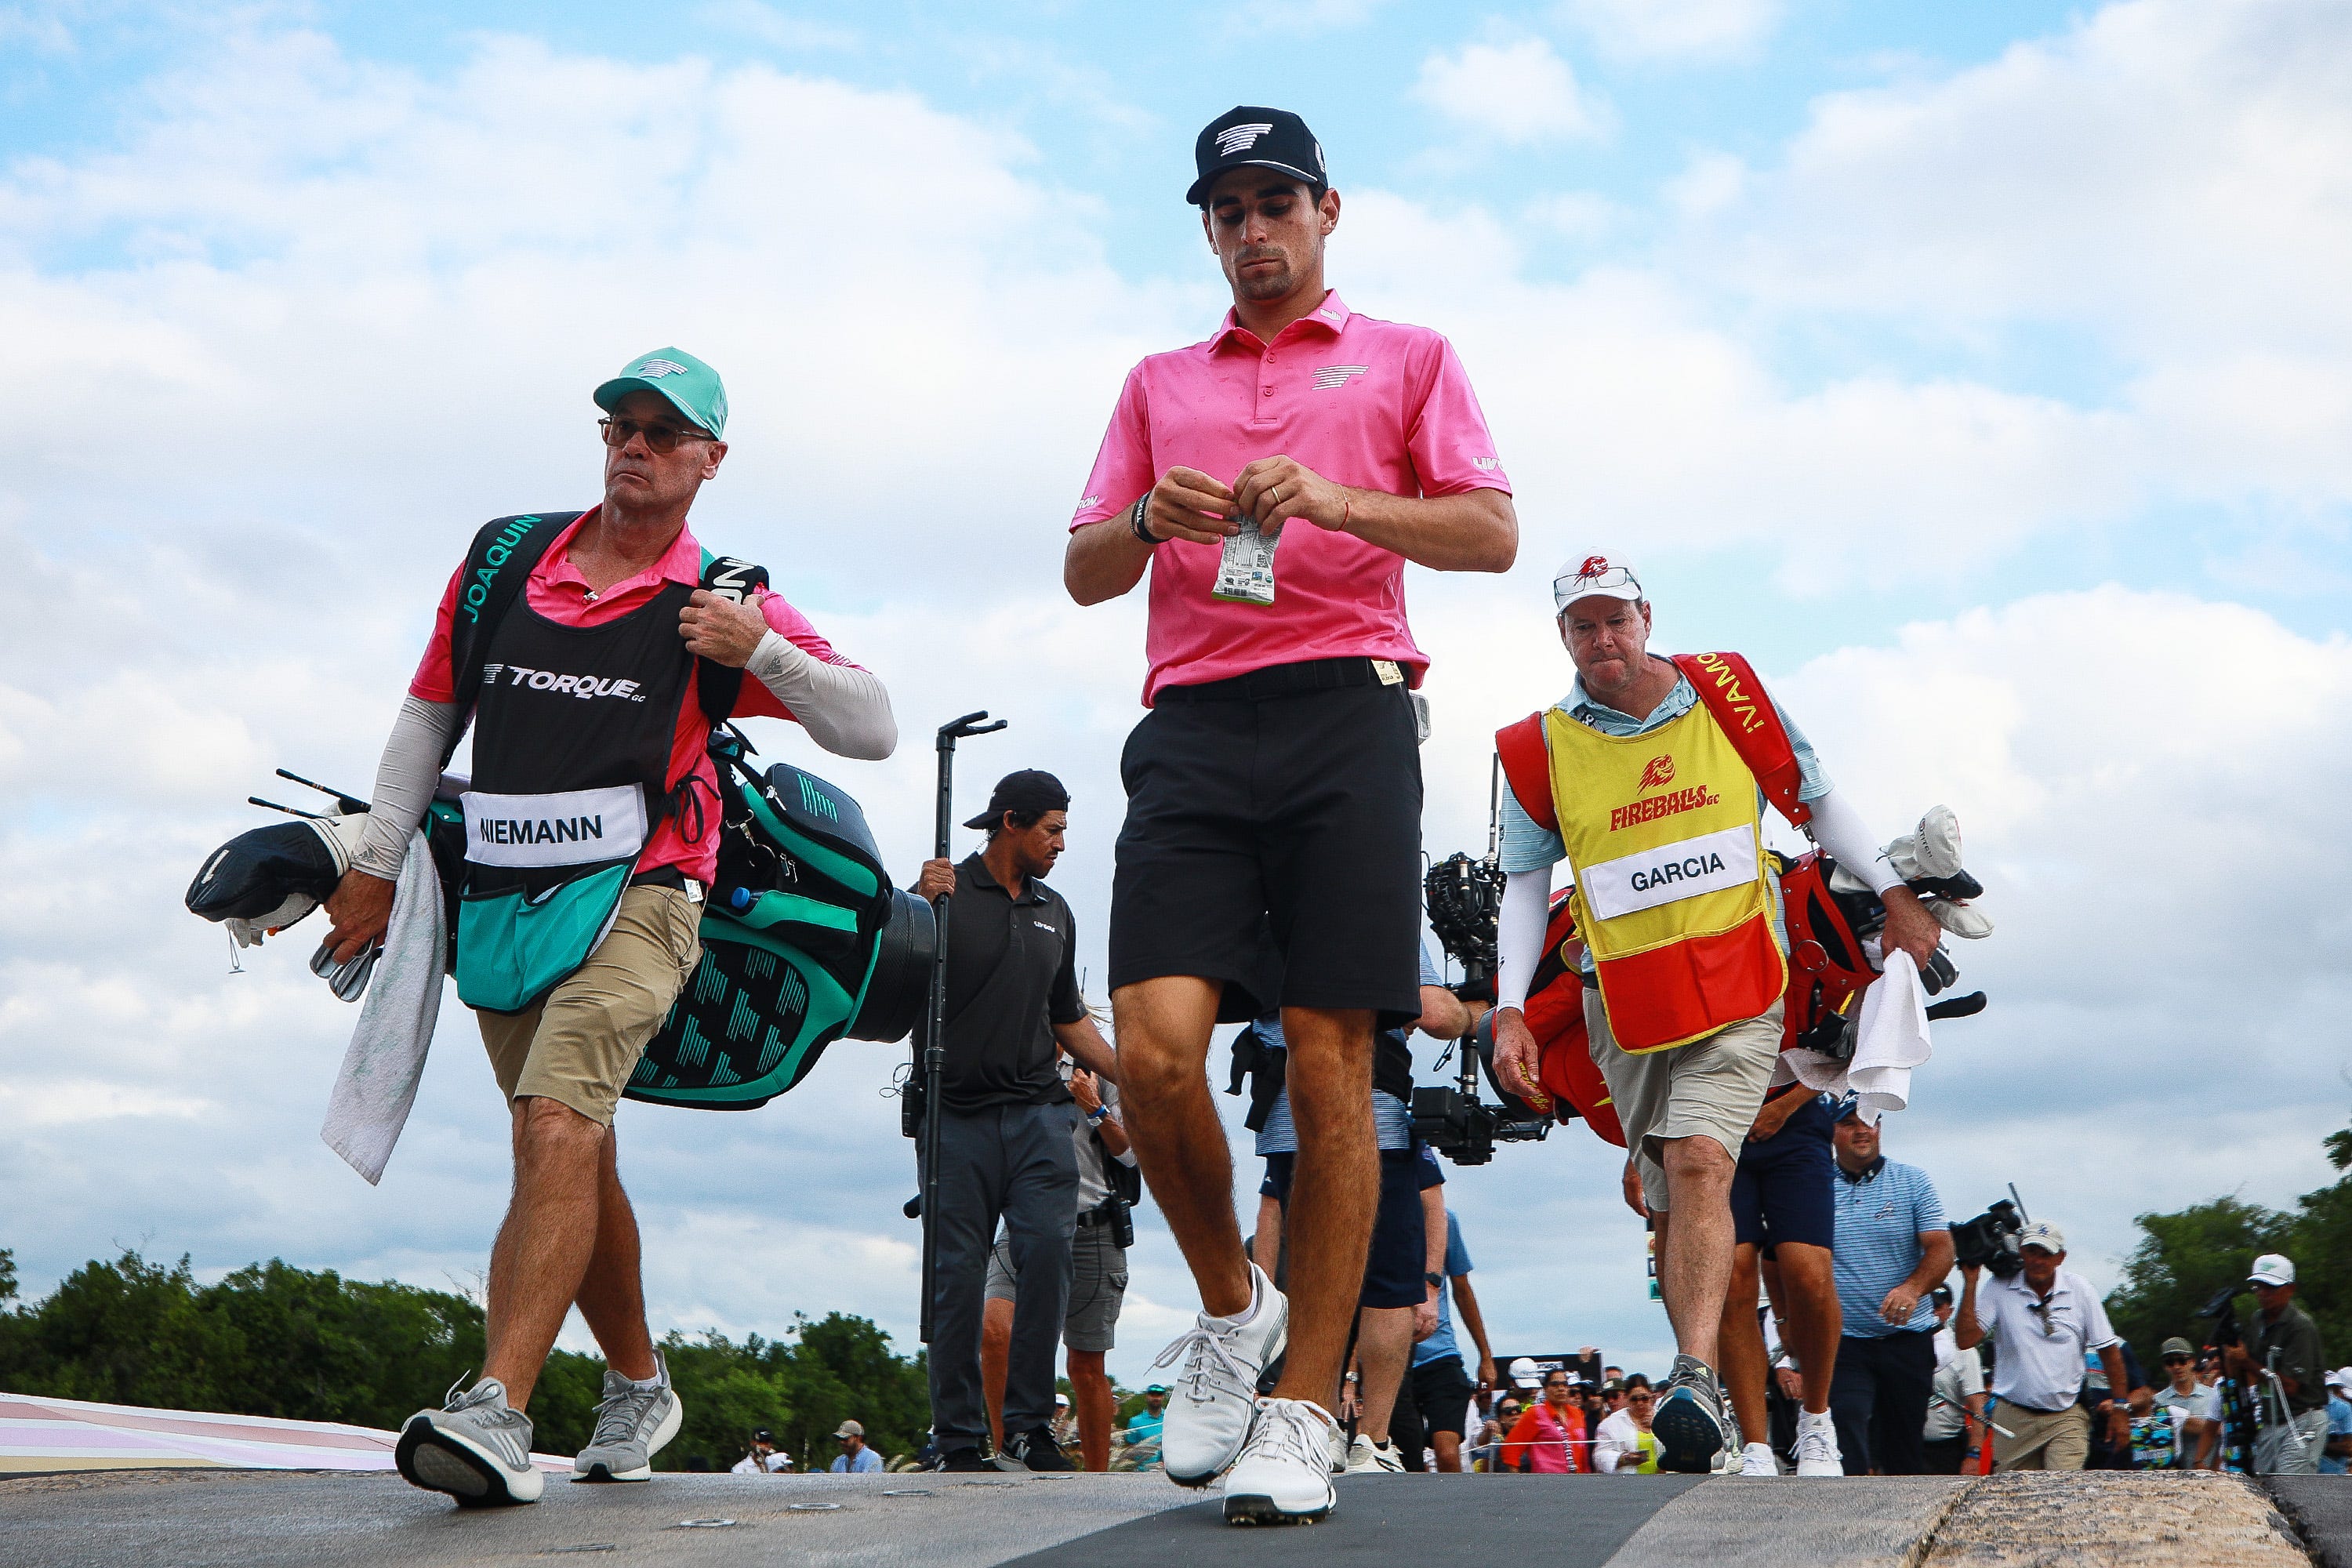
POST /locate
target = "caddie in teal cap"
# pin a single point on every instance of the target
(692, 387)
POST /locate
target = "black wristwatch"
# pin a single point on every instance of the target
(1436, 1281)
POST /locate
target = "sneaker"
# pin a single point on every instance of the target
(633, 1422)
(1364, 1457)
(1215, 1399)
(1283, 1473)
(1817, 1445)
(1733, 1456)
(474, 1448)
(1756, 1460)
(960, 1461)
(1033, 1450)
(1690, 1420)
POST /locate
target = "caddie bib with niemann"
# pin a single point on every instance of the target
(573, 731)
(1665, 834)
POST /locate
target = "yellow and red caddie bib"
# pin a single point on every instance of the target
(1665, 834)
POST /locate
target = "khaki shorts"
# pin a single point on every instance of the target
(2041, 1439)
(581, 1042)
(1712, 1087)
(1097, 1285)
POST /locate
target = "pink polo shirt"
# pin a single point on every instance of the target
(556, 590)
(1365, 403)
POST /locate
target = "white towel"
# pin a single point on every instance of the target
(377, 1082)
(1890, 1039)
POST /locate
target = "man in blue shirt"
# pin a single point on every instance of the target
(1144, 1426)
(1893, 1246)
(1440, 1379)
(2332, 1459)
(855, 1458)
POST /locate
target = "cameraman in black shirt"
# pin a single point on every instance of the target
(1006, 1120)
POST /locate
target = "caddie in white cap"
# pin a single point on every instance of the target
(1651, 778)
(2285, 1370)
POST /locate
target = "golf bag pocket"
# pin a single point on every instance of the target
(544, 876)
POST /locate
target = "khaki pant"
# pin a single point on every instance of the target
(580, 1044)
(1712, 1087)
(2042, 1441)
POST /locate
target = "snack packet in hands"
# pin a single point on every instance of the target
(1245, 569)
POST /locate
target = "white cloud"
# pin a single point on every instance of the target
(1675, 30)
(1521, 93)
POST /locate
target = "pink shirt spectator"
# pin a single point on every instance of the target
(556, 590)
(1365, 403)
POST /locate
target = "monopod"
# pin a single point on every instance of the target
(935, 1046)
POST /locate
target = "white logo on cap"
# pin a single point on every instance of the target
(1328, 376)
(657, 368)
(1235, 139)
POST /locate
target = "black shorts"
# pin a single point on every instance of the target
(1278, 797)
(1394, 1270)
(1784, 1188)
(1441, 1392)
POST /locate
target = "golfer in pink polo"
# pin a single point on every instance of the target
(1275, 782)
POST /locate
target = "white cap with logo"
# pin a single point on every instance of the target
(2043, 1235)
(1582, 576)
(2272, 1268)
(1523, 1374)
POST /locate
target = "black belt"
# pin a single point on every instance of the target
(1282, 681)
(1090, 1218)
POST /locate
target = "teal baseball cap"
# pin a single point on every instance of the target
(692, 387)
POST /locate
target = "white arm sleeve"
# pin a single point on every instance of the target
(405, 783)
(845, 710)
(1839, 828)
(1519, 941)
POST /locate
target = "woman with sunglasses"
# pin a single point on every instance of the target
(1548, 1439)
(1624, 1446)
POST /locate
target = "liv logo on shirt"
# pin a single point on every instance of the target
(1328, 376)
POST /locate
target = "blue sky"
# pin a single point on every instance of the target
(1984, 371)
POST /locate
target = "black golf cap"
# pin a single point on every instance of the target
(1249, 137)
(1032, 790)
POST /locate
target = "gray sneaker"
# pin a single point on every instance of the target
(632, 1425)
(474, 1448)
(1690, 1422)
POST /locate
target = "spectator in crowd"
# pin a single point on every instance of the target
(2285, 1372)
(1784, 1208)
(1613, 1374)
(1006, 1121)
(2159, 1439)
(1893, 1246)
(1441, 1381)
(1549, 1437)
(2103, 1401)
(1955, 1402)
(1141, 1434)
(2040, 1321)
(765, 1458)
(2198, 1406)
(1107, 1181)
(855, 1458)
(2339, 1423)
(1405, 1264)
(1625, 1445)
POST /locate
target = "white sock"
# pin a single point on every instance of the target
(1812, 1417)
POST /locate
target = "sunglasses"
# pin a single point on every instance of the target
(662, 438)
(2176, 1360)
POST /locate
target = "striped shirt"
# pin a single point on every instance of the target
(1880, 1218)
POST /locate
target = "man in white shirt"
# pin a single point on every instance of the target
(1956, 1397)
(2044, 1320)
(2199, 1407)
(765, 1458)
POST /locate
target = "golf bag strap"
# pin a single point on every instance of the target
(1527, 768)
(498, 562)
(1728, 685)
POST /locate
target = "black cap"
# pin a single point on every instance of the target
(1253, 138)
(1032, 791)
(763, 1436)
